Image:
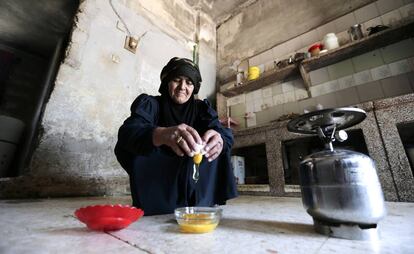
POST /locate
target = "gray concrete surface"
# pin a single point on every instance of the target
(249, 225)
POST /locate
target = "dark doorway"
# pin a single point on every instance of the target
(255, 163)
(406, 131)
(33, 37)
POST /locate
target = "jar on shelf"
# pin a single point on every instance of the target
(254, 73)
(330, 41)
(315, 49)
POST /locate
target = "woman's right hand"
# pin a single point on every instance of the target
(183, 139)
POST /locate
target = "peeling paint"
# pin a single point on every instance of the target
(94, 89)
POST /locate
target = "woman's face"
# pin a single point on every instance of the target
(180, 89)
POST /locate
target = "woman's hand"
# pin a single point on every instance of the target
(214, 144)
(183, 139)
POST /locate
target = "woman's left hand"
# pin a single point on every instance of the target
(214, 144)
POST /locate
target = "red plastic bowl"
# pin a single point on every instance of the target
(108, 217)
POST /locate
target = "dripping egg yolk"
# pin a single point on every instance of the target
(197, 158)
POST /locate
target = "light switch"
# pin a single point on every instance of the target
(131, 44)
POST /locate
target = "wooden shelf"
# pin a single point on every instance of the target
(266, 79)
(366, 44)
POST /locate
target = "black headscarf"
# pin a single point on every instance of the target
(171, 113)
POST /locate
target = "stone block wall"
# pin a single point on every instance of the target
(381, 136)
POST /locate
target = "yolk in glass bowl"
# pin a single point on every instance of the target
(197, 223)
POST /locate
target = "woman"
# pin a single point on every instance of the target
(157, 142)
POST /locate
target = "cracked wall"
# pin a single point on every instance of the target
(94, 88)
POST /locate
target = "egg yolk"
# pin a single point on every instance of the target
(197, 223)
(197, 158)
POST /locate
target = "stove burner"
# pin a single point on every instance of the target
(340, 188)
(347, 231)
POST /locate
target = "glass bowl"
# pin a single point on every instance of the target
(197, 219)
(108, 217)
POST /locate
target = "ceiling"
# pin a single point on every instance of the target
(35, 26)
(220, 10)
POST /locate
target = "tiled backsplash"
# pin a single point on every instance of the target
(381, 73)
(382, 12)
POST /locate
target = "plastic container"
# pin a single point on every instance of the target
(315, 49)
(108, 217)
(330, 41)
(254, 73)
(237, 163)
(197, 220)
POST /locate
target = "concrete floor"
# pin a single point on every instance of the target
(250, 224)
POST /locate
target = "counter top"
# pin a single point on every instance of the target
(250, 224)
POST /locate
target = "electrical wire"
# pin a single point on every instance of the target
(120, 18)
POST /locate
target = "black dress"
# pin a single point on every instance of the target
(162, 181)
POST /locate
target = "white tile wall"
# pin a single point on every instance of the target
(399, 67)
(287, 87)
(366, 85)
(407, 11)
(344, 22)
(257, 94)
(258, 104)
(289, 96)
(277, 89)
(255, 60)
(380, 72)
(366, 13)
(370, 91)
(267, 92)
(236, 100)
(377, 13)
(298, 84)
(391, 18)
(331, 86)
(296, 43)
(410, 77)
(327, 101)
(249, 96)
(309, 38)
(362, 77)
(251, 121)
(318, 90)
(266, 56)
(385, 6)
(279, 51)
(347, 97)
(267, 102)
(397, 85)
(411, 63)
(319, 76)
(325, 29)
(346, 82)
(249, 106)
(278, 99)
(301, 94)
